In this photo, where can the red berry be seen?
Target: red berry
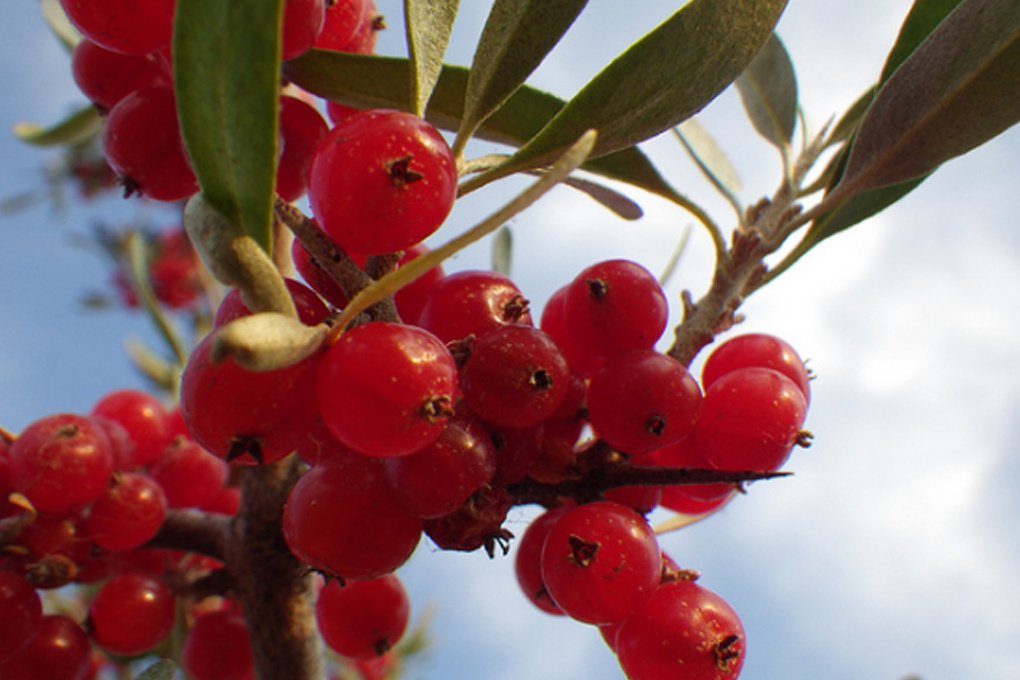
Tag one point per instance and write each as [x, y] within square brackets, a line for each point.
[143, 145]
[22, 613]
[61, 462]
[756, 349]
[127, 26]
[528, 561]
[246, 417]
[364, 619]
[106, 77]
[143, 418]
[59, 649]
[343, 19]
[301, 130]
[128, 514]
[131, 614]
[438, 479]
[751, 420]
[514, 377]
[310, 309]
[386, 389]
[641, 401]
[682, 626]
[614, 307]
[600, 562]
[341, 517]
[382, 181]
[218, 648]
[411, 299]
[188, 474]
[302, 24]
[472, 303]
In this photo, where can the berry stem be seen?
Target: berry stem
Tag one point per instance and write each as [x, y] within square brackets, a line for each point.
[193, 531]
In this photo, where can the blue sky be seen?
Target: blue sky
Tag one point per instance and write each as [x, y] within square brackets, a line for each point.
[892, 551]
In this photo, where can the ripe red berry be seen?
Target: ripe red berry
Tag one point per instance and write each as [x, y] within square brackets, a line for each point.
[310, 308]
[514, 377]
[143, 145]
[59, 649]
[751, 420]
[614, 307]
[682, 626]
[106, 77]
[188, 474]
[218, 648]
[341, 517]
[128, 514]
[528, 561]
[641, 401]
[472, 303]
[364, 619]
[22, 613]
[756, 349]
[382, 181]
[386, 389]
[61, 462]
[242, 416]
[302, 24]
[600, 562]
[438, 479]
[127, 26]
[143, 418]
[301, 130]
[131, 614]
[343, 19]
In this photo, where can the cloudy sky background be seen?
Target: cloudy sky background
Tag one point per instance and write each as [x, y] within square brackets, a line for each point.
[893, 551]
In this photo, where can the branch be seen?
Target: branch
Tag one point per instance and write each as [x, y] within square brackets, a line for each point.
[193, 531]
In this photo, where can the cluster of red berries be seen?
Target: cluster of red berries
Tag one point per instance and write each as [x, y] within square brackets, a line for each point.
[173, 269]
[81, 498]
[123, 66]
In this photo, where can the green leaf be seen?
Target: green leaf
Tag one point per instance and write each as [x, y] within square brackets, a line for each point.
[612, 200]
[364, 82]
[502, 251]
[58, 22]
[660, 81]
[161, 670]
[518, 34]
[429, 24]
[924, 16]
[768, 89]
[227, 81]
[848, 125]
[709, 156]
[79, 127]
[957, 90]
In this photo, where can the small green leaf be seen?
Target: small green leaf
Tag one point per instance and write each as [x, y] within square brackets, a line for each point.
[80, 126]
[956, 91]
[660, 81]
[502, 251]
[366, 82]
[924, 16]
[161, 670]
[610, 199]
[227, 81]
[847, 126]
[518, 34]
[768, 89]
[428, 23]
[267, 341]
[58, 22]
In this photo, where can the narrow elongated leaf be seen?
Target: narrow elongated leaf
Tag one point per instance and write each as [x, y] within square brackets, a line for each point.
[363, 81]
[429, 24]
[709, 156]
[75, 129]
[58, 22]
[847, 126]
[502, 251]
[518, 34]
[768, 89]
[957, 90]
[662, 80]
[924, 16]
[227, 80]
